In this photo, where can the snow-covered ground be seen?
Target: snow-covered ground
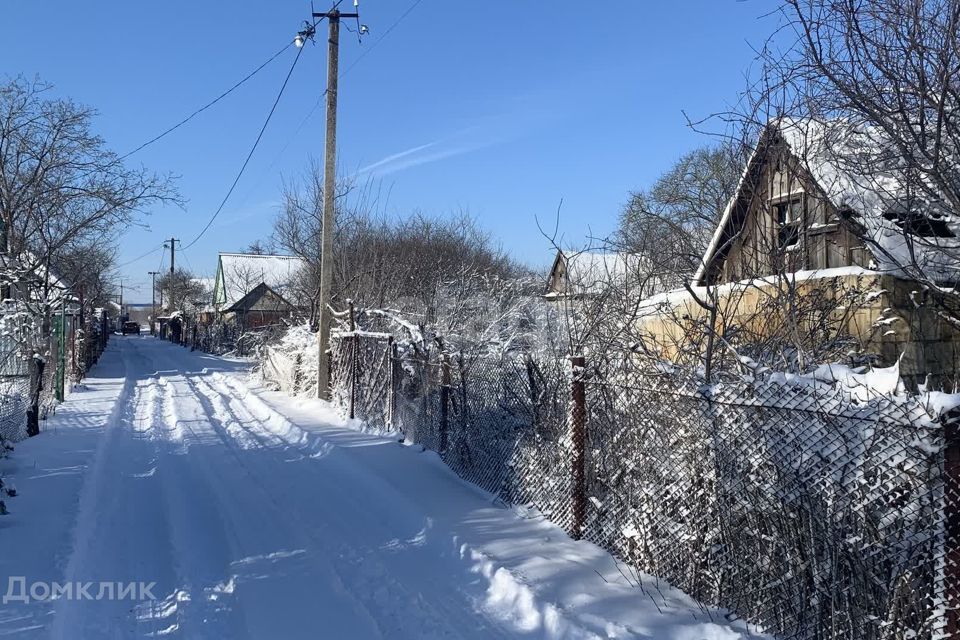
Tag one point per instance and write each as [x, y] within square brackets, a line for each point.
[259, 516]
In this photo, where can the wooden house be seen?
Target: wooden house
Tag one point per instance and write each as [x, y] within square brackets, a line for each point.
[255, 289]
[582, 275]
[798, 207]
[260, 307]
[800, 224]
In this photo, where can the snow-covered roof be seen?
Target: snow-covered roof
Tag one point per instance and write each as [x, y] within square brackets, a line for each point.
[875, 199]
[28, 267]
[240, 273]
[585, 273]
[874, 196]
[720, 231]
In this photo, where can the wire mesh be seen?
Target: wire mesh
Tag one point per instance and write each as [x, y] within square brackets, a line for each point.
[14, 399]
[218, 338]
[361, 377]
[806, 512]
[811, 510]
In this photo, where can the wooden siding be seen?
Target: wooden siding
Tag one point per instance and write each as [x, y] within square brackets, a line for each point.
[824, 240]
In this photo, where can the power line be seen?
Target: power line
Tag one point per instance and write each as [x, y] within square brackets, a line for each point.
[309, 30]
[319, 101]
[381, 38]
[219, 97]
[208, 105]
[250, 154]
[138, 259]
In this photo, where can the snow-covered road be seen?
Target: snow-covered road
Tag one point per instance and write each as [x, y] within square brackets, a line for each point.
[259, 516]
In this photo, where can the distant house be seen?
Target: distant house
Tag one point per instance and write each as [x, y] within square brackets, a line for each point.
[583, 275]
[255, 289]
[206, 313]
[261, 307]
[36, 284]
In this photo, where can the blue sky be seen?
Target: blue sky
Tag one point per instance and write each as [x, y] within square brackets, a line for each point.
[499, 110]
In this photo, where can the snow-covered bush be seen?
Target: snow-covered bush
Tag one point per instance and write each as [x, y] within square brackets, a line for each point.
[289, 362]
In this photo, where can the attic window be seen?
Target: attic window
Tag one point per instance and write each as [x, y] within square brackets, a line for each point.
[919, 224]
[788, 215]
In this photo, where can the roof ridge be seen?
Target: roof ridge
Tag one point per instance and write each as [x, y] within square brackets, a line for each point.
[258, 255]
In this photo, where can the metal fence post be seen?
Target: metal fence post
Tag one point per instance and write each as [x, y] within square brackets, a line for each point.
[392, 391]
[951, 508]
[578, 433]
[354, 372]
[61, 358]
[444, 402]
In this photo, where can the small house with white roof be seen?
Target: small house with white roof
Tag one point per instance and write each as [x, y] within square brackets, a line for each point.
[255, 289]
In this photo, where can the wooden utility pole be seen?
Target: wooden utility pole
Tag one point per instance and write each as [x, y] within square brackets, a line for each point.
[329, 199]
[153, 299]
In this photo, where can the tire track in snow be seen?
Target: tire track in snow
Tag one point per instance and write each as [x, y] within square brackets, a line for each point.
[116, 497]
[441, 612]
[256, 521]
[515, 606]
[197, 533]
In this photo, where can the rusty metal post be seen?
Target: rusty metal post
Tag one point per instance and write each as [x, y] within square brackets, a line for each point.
[951, 508]
[392, 391]
[444, 402]
[578, 438]
[354, 372]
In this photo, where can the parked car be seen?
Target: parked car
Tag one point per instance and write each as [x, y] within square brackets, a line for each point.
[130, 327]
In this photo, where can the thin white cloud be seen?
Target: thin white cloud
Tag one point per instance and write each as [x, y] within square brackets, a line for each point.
[371, 168]
[527, 113]
[407, 162]
[464, 141]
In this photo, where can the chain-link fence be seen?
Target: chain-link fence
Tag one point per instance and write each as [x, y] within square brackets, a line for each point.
[811, 509]
[14, 401]
[808, 513]
[218, 338]
[72, 347]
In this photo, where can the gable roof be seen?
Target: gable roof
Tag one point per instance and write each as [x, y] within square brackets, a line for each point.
[584, 273]
[874, 199]
[255, 295]
[240, 273]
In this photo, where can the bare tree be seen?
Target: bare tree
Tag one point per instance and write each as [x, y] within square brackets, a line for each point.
[64, 196]
[86, 269]
[258, 248]
[383, 262]
[184, 292]
[59, 184]
[670, 224]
